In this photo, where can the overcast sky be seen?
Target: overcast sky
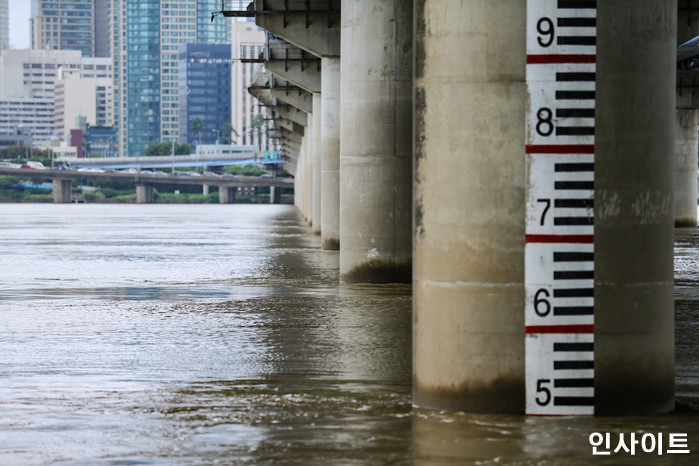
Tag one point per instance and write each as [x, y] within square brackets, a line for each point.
[19, 23]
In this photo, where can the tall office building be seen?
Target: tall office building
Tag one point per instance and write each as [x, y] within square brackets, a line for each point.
[204, 91]
[146, 35]
[70, 25]
[248, 41]
[4, 24]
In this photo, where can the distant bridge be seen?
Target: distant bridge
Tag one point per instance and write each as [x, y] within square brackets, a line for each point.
[168, 161]
[144, 182]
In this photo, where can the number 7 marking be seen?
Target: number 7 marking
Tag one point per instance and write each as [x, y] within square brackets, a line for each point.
[546, 209]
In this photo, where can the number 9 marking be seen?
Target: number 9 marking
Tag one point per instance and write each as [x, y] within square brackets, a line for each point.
[545, 28]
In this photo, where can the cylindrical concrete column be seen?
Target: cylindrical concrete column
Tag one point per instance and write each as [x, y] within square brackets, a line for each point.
[468, 287]
[205, 190]
[299, 190]
[686, 128]
[376, 141]
[317, 189]
[144, 193]
[311, 189]
[330, 153]
[634, 215]
[61, 191]
[226, 194]
[275, 195]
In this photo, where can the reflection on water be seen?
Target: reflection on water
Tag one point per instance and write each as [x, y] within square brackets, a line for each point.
[219, 335]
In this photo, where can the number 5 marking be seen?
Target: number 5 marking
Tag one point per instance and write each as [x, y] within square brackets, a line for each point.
[546, 392]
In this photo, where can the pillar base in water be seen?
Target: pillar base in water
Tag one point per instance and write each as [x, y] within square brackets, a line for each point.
[330, 244]
[500, 396]
[686, 222]
[379, 271]
[61, 191]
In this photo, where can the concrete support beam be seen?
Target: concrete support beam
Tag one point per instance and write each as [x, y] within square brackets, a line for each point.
[468, 287]
[205, 189]
[299, 98]
[226, 194]
[317, 190]
[330, 154]
[314, 27]
[290, 135]
[376, 141]
[144, 193]
[289, 125]
[294, 65]
[61, 191]
[634, 215]
[291, 144]
[292, 113]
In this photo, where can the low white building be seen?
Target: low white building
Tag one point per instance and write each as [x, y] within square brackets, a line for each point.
[90, 98]
[27, 87]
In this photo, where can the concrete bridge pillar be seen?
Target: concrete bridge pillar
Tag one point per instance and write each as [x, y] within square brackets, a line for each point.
[634, 215]
[468, 284]
[376, 141]
[205, 190]
[310, 186]
[317, 189]
[330, 153]
[275, 195]
[686, 127]
[470, 176]
[300, 180]
[226, 194]
[144, 193]
[61, 191]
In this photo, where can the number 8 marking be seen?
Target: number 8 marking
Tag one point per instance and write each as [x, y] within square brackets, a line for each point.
[544, 126]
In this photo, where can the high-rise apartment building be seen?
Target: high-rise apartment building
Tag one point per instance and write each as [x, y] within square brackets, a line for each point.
[146, 35]
[4, 24]
[204, 91]
[71, 25]
[248, 41]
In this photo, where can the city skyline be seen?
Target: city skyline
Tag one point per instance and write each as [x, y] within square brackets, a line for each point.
[146, 67]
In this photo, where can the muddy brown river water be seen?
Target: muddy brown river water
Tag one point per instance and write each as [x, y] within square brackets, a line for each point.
[219, 334]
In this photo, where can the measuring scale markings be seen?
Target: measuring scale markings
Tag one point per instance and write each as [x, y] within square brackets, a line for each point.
[559, 250]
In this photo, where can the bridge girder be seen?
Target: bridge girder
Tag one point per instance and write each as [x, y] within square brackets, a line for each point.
[313, 26]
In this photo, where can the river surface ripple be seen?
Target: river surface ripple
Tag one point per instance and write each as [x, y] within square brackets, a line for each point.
[218, 334]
